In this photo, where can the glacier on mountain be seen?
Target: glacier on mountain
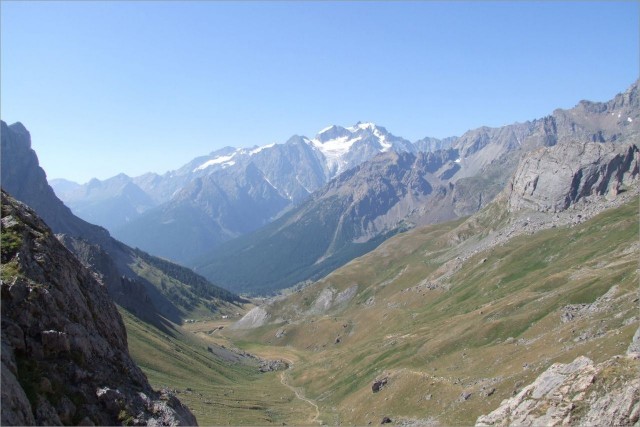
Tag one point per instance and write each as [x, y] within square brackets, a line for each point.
[220, 160]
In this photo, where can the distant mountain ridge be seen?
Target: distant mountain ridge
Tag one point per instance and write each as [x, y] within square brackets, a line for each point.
[107, 202]
[392, 192]
[232, 191]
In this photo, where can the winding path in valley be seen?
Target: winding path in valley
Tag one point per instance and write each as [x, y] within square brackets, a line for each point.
[298, 394]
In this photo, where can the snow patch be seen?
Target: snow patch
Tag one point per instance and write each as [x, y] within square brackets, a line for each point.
[269, 182]
[386, 145]
[227, 164]
[335, 149]
[303, 186]
[259, 149]
[458, 160]
[216, 161]
[629, 119]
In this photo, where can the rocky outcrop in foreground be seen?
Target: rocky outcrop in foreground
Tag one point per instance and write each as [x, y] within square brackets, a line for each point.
[552, 179]
[64, 346]
[580, 393]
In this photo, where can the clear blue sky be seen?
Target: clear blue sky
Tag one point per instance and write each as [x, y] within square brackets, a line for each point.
[110, 87]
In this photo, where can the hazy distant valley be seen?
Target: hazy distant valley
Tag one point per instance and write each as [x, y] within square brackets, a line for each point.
[352, 278]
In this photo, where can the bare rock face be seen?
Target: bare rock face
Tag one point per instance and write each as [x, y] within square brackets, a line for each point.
[551, 179]
[255, 318]
[579, 393]
[330, 298]
[64, 346]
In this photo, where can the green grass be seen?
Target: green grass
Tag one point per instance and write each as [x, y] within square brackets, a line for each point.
[9, 270]
[218, 392]
[502, 311]
[10, 243]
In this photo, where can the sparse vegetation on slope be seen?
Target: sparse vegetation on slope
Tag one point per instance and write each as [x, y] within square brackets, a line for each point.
[456, 328]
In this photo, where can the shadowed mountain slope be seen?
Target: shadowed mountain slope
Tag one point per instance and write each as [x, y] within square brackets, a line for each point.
[146, 287]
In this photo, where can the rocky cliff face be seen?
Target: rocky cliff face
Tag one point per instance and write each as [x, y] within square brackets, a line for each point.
[23, 178]
[579, 393]
[551, 179]
[64, 346]
[617, 120]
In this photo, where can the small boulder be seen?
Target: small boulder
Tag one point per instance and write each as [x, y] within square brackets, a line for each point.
[273, 365]
[464, 396]
[378, 384]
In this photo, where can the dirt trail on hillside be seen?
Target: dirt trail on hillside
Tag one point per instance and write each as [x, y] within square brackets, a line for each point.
[299, 394]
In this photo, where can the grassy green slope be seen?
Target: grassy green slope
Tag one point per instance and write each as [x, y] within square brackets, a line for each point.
[440, 326]
[218, 392]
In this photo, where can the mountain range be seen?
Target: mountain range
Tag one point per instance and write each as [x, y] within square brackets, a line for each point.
[393, 192]
[151, 288]
[489, 260]
[183, 214]
[329, 199]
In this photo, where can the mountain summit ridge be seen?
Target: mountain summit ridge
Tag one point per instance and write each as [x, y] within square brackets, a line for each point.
[210, 193]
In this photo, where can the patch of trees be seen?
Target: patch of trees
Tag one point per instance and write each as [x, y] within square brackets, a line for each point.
[198, 284]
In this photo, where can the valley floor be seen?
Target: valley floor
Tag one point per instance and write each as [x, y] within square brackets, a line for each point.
[221, 388]
[452, 327]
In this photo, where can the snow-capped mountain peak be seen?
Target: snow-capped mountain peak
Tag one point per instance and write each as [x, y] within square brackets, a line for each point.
[256, 150]
[363, 126]
[225, 158]
[341, 147]
[336, 143]
[331, 133]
